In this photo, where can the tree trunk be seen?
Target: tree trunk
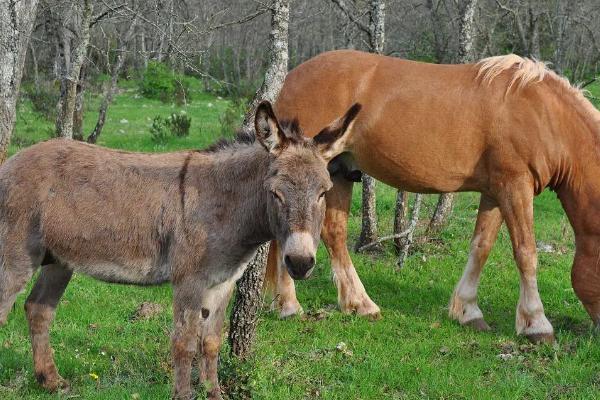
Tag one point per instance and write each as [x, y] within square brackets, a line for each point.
[400, 215]
[64, 120]
[368, 233]
[414, 218]
[79, 106]
[249, 288]
[248, 300]
[466, 54]
[16, 23]
[111, 88]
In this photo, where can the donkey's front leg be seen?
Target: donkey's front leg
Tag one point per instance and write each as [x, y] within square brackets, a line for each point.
[187, 318]
[213, 312]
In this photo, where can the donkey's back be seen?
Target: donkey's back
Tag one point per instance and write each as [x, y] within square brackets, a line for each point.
[103, 212]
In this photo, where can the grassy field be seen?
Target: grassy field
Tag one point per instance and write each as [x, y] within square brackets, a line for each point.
[414, 351]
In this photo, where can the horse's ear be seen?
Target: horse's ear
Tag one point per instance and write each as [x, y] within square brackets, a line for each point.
[332, 139]
[268, 130]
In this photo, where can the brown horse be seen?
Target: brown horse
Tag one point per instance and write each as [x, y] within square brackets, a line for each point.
[194, 218]
[506, 127]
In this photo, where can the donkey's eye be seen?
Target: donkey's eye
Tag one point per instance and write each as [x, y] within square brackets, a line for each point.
[277, 196]
[322, 196]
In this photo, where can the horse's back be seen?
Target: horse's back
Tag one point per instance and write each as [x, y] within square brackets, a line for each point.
[423, 127]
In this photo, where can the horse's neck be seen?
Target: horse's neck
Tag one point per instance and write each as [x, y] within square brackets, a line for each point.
[237, 177]
[580, 193]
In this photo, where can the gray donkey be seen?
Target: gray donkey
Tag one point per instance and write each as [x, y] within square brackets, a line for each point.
[194, 218]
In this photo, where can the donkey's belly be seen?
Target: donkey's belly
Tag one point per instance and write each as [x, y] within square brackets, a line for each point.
[141, 273]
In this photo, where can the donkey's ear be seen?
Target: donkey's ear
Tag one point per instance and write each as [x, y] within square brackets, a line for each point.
[268, 130]
[332, 139]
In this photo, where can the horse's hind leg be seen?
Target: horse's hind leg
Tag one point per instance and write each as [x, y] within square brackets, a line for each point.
[40, 307]
[463, 304]
[352, 296]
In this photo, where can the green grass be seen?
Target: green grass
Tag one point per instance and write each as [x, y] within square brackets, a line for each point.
[414, 351]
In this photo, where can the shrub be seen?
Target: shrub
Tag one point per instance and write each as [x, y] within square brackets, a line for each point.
[158, 131]
[161, 83]
[179, 124]
[231, 118]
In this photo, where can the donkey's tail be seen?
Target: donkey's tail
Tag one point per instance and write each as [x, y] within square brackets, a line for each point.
[270, 282]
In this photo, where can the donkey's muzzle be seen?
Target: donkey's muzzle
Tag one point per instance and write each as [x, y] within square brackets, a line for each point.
[299, 266]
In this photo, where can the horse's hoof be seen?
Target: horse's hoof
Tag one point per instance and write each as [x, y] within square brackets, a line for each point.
[478, 324]
[539, 338]
[290, 310]
[366, 309]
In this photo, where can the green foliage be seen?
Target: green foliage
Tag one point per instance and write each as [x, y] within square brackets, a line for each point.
[179, 124]
[44, 98]
[158, 131]
[161, 83]
[231, 118]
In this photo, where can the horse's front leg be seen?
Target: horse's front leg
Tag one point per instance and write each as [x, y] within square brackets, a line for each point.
[352, 296]
[187, 319]
[463, 304]
[213, 313]
[516, 203]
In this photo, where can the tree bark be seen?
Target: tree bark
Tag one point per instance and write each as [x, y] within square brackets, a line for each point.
[400, 215]
[111, 88]
[64, 120]
[466, 54]
[368, 232]
[16, 23]
[249, 288]
[414, 218]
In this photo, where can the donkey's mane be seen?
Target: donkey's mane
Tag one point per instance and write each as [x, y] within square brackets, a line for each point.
[526, 71]
[247, 137]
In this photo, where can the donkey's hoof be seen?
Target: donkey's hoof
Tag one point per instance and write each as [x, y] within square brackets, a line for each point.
[52, 383]
[478, 324]
[539, 338]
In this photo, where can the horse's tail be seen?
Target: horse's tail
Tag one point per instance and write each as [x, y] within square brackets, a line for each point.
[270, 282]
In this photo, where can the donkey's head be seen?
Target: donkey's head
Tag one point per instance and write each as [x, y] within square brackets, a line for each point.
[297, 182]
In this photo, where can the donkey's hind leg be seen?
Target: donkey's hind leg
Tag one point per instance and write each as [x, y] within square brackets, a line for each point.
[16, 268]
[463, 304]
[352, 296]
[40, 307]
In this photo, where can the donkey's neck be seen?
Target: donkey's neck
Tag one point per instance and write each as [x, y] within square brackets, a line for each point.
[236, 178]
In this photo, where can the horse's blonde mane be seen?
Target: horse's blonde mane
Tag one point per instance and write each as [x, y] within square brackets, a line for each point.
[526, 71]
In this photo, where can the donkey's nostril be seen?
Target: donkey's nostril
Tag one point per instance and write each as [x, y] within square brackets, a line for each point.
[299, 266]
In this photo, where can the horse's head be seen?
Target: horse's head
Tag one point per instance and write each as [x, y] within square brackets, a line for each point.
[297, 182]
